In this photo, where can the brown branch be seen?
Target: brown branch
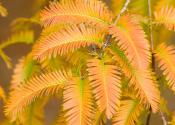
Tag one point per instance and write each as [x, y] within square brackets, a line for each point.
[153, 61]
[108, 37]
[122, 11]
[163, 118]
[149, 116]
[150, 26]
[152, 47]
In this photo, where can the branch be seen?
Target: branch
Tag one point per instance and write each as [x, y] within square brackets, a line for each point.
[108, 37]
[122, 11]
[149, 116]
[163, 118]
[152, 47]
[153, 60]
[150, 25]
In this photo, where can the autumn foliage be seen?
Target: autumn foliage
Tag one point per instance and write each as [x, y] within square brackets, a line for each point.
[105, 65]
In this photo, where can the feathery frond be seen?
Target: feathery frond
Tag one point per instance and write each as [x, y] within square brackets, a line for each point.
[166, 16]
[78, 11]
[6, 59]
[57, 63]
[165, 56]
[61, 120]
[54, 28]
[24, 23]
[128, 113]
[20, 37]
[78, 102]
[131, 39]
[163, 3]
[24, 95]
[120, 57]
[105, 82]
[67, 40]
[146, 87]
[34, 115]
[100, 118]
[141, 80]
[25, 69]
[78, 58]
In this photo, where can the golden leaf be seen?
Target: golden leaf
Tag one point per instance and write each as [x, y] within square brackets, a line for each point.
[78, 11]
[24, 95]
[165, 56]
[78, 102]
[105, 82]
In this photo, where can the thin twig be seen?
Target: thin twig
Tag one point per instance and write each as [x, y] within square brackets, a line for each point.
[152, 47]
[122, 11]
[163, 118]
[149, 116]
[108, 37]
[153, 60]
[150, 25]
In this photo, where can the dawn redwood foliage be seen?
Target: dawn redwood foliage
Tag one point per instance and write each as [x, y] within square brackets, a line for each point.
[105, 65]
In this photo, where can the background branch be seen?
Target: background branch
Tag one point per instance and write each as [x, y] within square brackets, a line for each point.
[153, 61]
[163, 118]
